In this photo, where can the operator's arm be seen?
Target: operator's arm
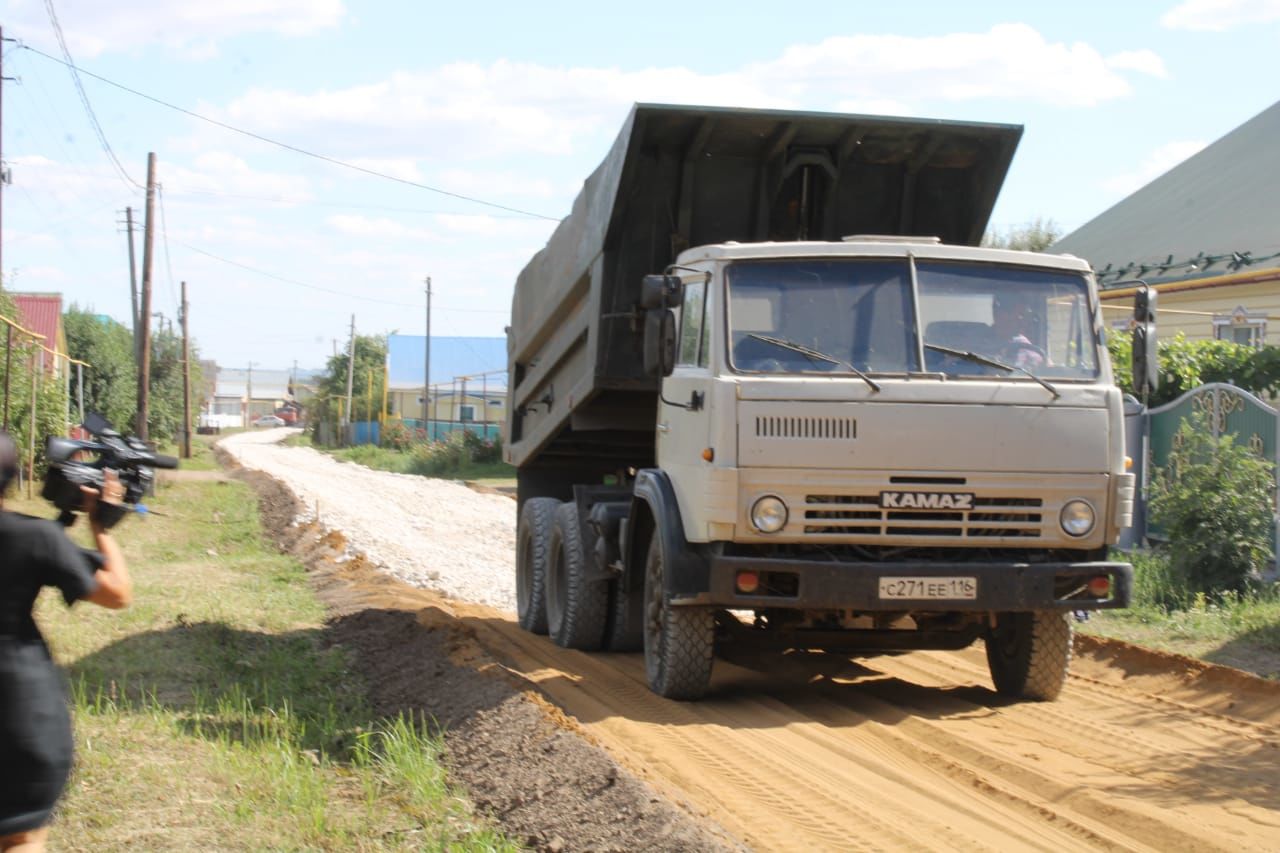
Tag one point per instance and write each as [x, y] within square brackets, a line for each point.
[114, 587]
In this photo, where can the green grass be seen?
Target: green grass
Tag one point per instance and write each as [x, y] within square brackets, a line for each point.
[213, 714]
[1240, 630]
[405, 462]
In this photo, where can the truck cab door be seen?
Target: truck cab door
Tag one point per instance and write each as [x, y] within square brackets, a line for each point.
[683, 429]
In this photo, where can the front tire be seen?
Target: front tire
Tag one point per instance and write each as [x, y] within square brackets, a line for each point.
[679, 642]
[577, 607]
[1029, 653]
[533, 541]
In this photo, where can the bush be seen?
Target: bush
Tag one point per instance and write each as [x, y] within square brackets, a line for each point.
[440, 458]
[396, 435]
[1185, 365]
[1214, 501]
[1156, 583]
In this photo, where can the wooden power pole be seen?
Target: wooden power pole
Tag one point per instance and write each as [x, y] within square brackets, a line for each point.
[133, 286]
[186, 377]
[144, 314]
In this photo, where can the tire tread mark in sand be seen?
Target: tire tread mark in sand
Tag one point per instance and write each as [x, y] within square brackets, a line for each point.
[737, 767]
[1139, 826]
[1004, 787]
[1176, 711]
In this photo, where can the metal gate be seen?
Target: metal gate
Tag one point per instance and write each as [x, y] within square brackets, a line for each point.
[1228, 410]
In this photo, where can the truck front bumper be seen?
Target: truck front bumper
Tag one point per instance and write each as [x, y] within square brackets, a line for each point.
[810, 585]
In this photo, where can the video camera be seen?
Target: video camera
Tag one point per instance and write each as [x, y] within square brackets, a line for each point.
[69, 469]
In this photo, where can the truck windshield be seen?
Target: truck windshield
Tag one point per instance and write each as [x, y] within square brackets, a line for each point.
[1035, 320]
[855, 312]
[785, 315]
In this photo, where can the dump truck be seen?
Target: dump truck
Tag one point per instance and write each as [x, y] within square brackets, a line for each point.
[766, 391]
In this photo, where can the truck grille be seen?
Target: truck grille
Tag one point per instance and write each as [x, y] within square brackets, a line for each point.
[782, 426]
[991, 517]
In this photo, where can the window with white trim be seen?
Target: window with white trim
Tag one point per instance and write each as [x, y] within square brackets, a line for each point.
[1241, 327]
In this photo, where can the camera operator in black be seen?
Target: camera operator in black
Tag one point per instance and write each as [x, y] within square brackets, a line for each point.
[35, 724]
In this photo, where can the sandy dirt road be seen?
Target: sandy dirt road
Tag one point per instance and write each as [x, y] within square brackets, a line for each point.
[915, 751]
[806, 751]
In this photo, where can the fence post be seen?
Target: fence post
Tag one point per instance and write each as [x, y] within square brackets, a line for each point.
[8, 370]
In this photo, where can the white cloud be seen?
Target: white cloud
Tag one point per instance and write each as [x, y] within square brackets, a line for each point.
[1220, 15]
[220, 173]
[188, 30]
[1142, 61]
[470, 110]
[377, 228]
[498, 184]
[1156, 164]
[402, 168]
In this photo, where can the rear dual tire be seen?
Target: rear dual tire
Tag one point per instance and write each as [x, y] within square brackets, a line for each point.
[577, 604]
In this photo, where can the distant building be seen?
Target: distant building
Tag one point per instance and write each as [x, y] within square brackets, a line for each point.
[240, 396]
[1205, 235]
[468, 378]
[42, 314]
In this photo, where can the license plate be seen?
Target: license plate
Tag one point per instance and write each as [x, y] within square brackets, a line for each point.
[929, 589]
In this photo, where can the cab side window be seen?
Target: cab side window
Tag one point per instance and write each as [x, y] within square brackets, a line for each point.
[694, 348]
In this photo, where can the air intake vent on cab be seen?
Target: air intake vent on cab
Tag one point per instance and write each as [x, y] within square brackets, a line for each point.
[776, 426]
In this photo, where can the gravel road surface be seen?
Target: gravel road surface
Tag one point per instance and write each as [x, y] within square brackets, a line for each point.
[429, 533]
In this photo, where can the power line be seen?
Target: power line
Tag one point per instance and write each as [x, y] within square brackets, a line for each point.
[84, 96]
[311, 202]
[356, 296]
[294, 148]
[164, 236]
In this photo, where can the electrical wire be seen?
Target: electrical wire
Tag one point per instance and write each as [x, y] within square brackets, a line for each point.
[311, 202]
[84, 96]
[164, 237]
[356, 296]
[294, 148]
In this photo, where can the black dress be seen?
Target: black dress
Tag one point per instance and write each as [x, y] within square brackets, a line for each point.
[35, 725]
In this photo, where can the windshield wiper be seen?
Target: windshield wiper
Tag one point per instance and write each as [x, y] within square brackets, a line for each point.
[815, 355]
[991, 362]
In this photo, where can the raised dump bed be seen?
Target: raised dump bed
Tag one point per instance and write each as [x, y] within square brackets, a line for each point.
[580, 403]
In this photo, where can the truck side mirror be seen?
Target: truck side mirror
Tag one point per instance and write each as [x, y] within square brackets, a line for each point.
[661, 291]
[659, 342]
[1146, 363]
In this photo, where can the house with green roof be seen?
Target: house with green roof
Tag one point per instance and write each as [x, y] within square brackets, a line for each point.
[1205, 235]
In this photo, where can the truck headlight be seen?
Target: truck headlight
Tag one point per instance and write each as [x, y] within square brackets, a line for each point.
[1077, 517]
[769, 514]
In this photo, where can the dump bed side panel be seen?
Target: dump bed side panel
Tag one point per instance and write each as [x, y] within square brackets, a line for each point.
[678, 177]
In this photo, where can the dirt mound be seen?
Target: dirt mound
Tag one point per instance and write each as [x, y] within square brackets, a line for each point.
[520, 759]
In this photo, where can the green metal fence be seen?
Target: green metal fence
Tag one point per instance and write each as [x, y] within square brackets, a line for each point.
[1227, 410]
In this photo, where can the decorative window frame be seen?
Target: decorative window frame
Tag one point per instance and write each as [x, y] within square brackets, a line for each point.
[1225, 326]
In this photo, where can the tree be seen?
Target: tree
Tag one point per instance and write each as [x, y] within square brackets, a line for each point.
[50, 393]
[367, 383]
[1034, 236]
[110, 381]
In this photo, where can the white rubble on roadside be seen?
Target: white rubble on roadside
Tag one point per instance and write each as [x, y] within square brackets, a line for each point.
[430, 533]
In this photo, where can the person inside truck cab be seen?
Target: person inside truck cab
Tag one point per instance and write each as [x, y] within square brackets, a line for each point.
[1013, 329]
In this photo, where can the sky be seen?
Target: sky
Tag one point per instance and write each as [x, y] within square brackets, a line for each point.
[268, 119]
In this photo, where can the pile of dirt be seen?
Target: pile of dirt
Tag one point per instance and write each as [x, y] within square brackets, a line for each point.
[521, 761]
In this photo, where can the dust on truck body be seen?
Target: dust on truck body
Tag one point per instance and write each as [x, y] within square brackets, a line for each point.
[734, 424]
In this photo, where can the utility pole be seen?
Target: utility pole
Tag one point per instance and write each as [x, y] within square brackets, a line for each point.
[426, 365]
[144, 313]
[351, 366]
[133, 284]
[186, 377]
[248, 400]
[4, 171]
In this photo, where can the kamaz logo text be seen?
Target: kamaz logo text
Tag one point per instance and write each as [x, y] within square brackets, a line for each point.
[925, 500]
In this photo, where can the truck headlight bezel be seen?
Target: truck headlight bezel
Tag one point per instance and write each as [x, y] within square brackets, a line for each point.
[1077, 518]
[769, 514]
